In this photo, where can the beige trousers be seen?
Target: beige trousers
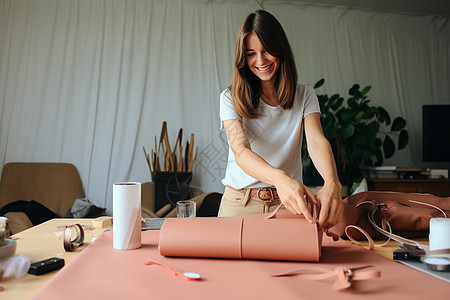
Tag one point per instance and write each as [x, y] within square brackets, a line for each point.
[234, 203]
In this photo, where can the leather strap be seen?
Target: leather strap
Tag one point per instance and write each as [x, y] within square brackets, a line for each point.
[344, 275]
[388, 233]
[386, 230]
[174, 271]
[372, 244]
[69, 244]
[273, 215]
[264, 193]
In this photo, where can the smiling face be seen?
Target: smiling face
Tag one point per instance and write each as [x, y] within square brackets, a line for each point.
[261, 63]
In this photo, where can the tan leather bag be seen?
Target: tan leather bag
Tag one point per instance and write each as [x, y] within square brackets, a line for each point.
[408, 214]
[276, 236]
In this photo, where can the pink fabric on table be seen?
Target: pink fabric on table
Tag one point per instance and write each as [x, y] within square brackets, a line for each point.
[101, 272]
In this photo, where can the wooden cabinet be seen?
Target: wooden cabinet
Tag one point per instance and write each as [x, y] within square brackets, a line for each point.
[438, 187]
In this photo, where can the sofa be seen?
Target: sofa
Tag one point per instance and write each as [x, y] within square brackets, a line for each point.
[54, 185]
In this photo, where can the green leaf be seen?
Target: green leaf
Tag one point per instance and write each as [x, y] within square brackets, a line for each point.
[377, 143]
[339, 102]
[364, 107]
[334, 102]
[345, 115]
[334, 97]
[352, 103]
[347, 131]
[319, 83]
[398, 124]
[371, 112]
[322, 97]
[383, 116]
[366, 90]
[373, 128]
[358, 95]
[354, 90]
[323, 100]
[359, 116]
[388, 147]
[403, 139]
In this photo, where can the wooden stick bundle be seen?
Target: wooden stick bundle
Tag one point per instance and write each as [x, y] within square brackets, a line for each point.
[173, 161]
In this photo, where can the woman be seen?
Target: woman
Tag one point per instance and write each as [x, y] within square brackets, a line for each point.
[263, 113]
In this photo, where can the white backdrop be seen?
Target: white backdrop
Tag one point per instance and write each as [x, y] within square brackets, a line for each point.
[90, 82]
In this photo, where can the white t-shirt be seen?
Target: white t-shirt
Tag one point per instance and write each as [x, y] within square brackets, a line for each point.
[276, 136]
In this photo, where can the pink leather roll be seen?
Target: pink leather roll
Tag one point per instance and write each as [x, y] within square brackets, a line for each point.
[284, 237]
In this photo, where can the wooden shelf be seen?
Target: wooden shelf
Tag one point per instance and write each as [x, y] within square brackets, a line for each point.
[438, 187]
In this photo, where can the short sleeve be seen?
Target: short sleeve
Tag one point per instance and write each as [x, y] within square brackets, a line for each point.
[311, 102]
[227, 111]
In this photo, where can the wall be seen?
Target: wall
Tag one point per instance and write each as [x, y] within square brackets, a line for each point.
[90, 82]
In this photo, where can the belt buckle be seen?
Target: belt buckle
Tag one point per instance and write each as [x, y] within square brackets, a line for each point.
[265, 189]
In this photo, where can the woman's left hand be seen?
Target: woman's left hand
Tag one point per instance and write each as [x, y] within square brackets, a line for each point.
[330, 201]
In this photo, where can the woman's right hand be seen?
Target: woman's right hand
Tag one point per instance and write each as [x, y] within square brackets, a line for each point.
[295, 196]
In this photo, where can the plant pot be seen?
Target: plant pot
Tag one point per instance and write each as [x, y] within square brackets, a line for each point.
[171, 187]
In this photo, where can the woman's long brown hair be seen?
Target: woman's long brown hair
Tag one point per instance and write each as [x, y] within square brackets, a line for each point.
[245, 86]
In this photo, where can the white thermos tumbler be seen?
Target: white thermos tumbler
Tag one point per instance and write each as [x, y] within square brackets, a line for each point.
[126, 215]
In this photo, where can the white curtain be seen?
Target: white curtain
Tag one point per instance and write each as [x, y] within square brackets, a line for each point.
[91, 81]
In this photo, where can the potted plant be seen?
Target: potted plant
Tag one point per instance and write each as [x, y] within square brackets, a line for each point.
[360, 134]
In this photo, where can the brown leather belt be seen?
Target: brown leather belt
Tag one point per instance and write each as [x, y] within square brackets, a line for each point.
[264, 193]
